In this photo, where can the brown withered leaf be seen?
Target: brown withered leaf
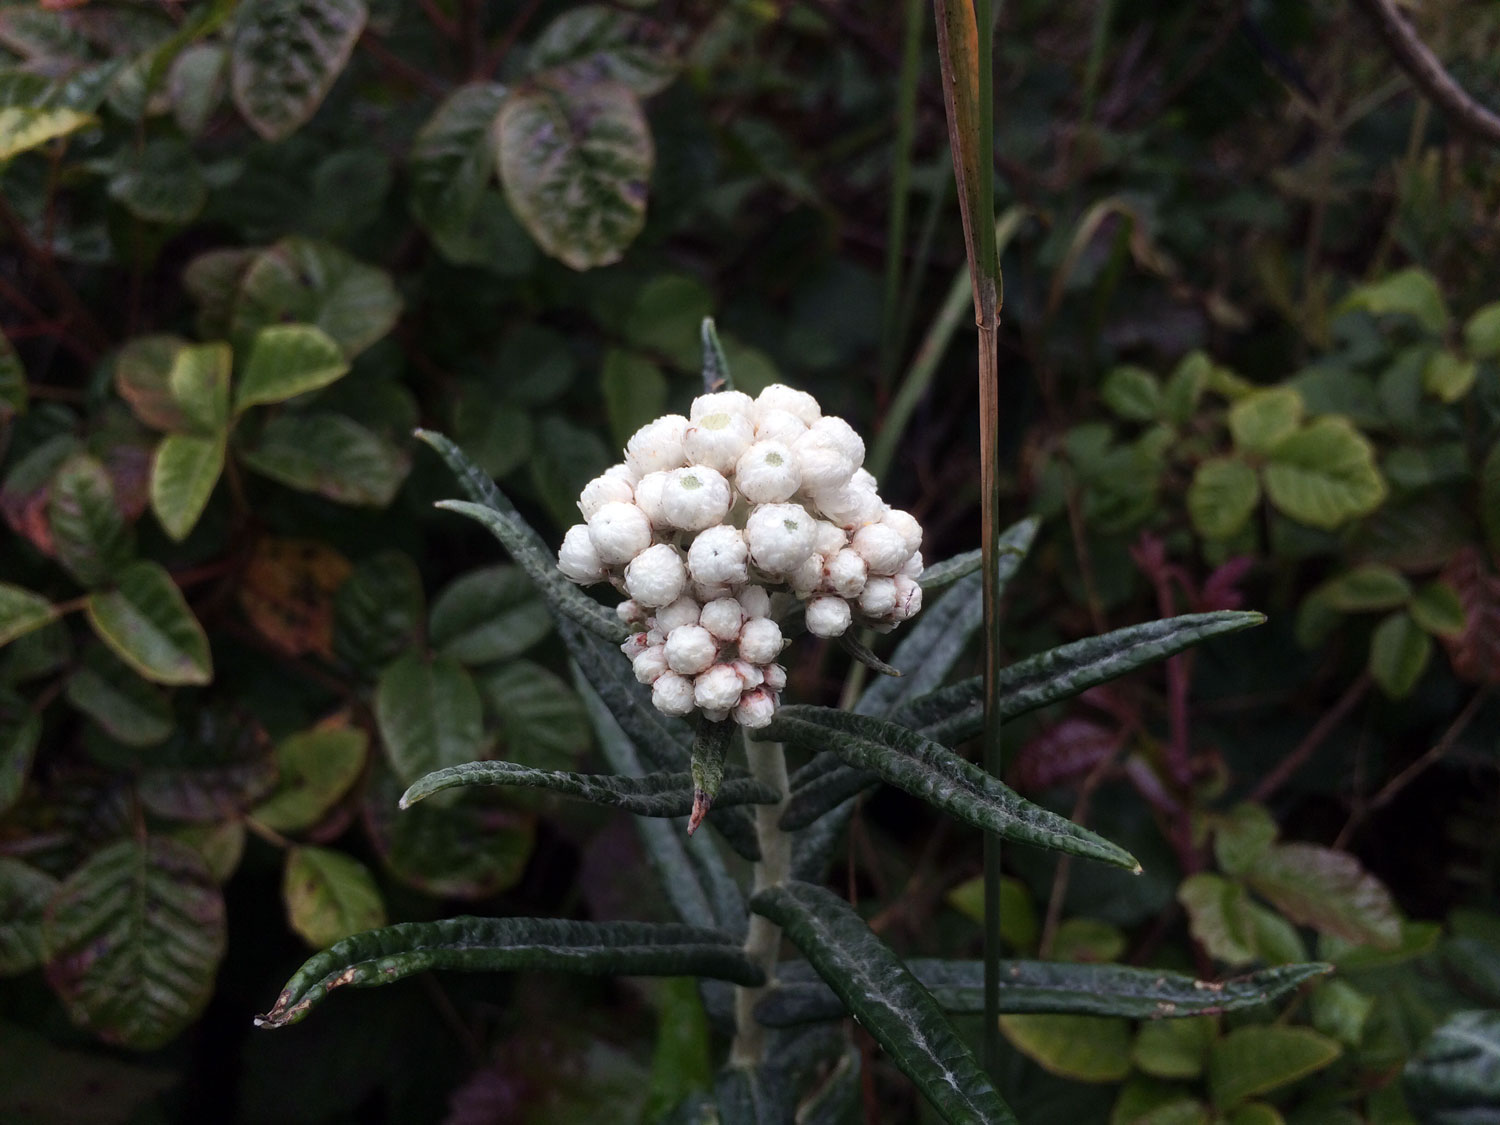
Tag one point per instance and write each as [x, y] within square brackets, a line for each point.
[1475, 652]
[287, 593]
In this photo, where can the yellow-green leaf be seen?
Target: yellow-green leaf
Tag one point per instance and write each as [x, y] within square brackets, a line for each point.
[183, 474]
[1254, 1060]
[1083, 1048]
[1448, 376]
[1324, 474]
[329, 896]
[288, 360]
[1399, 652]
[1261, 419]
[147, 622]
[28, 127]
[21, 611]
[1222, 496]
[1482, 333]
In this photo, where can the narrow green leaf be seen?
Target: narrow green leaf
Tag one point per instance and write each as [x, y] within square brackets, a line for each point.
[949, 571]
[116, 698]
[716, 373]
[1254, 1060]
[1456, 1074]
[285, 55]
[183, 475]
[575, 160]
[146, 621]
[1328, 890]
[329, 454]
[134, 938]
[287, 360]
[655, 794]
[329, 895]
[488, 615]
[937, 775]
[21, 611]
[1324, 474]
[89, 532]
[509, 944]
[889, 1002]
[1222, 497]
[1399, 652]
[314, 769]
[710, 747]
[429, 715]
[24, 894]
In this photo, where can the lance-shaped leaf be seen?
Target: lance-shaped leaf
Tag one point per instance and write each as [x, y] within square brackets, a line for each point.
[20, 731]
[285, 56]
[1048, 987]
[716, 373]
[506, 944]
[21, 611]
[943, 574]
[146, 621]
[655, 794]
[889, 1002]
[494, 511]
[937, 775]
[707, 768]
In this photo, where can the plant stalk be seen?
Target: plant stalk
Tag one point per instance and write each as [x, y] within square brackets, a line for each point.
[767, 761]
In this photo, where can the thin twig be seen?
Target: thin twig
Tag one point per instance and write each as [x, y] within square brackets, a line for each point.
[1327, 723]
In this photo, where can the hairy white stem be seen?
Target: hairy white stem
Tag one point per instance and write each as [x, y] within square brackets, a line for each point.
[767, 763]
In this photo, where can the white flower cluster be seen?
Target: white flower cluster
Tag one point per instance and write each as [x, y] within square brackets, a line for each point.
[710, 514]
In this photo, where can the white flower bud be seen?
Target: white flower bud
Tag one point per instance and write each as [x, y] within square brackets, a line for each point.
[729, 402]
[828, 616]
[878, 597]
[648, 494]
[760, 640]
[656, 576]
[755, 709]
[656, 637]
[717, 689]
[905, 525]
[778, 396]
[807, 577]
[602, 490]
[619, 532]
[908, 598]
[690, 649]
[750, 675]
[882, 547]
[767, 473]
[684, 611]
[623, 471]
[846, 573]
[706, 592]
[865, 479]
[657, 445]
[672, 694]
[830, 540]
[834, 431]
[851, 506]
[722, 617]
[822, 465]
[635, 644]
[718, 556]
[651, 664]
[779, 425]
[756, 600]
[775, 677]
[630, 612]
[695, 498]
[577, 558]
[780, 537]
[912, 567]
[718, 439]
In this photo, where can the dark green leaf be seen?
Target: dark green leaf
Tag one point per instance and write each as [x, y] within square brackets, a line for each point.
[12, 382]
[949, 571]
[134, 938]
[565, 459]
[21, 611]
[1399, 652]
[1438, 609]
[542, 722]
[89, 532]
[1367, 587]
[634, 390]
[488, 615]
[329, 454]
[716, 372]
[1328, 890]
[1456, 1075]
[451, 165]
[377, 612]
[680, 1064]
[146, 621]
[1241, 836]
[1254, 1060]
[24, 894]
[285, 55]
[1132, 393]
[1174, 1048]
[509, 944]
[596, 42]
[143, 373]
[300, 281]
[876, 986]
[20, 731]
[710, 747]
[1324, 474]
[159, 182]
[329, 895]
[314, 769]
[287, 360]
[116, 698]
[429, 715]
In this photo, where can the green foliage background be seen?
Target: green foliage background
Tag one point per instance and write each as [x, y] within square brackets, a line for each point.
[1251, 346]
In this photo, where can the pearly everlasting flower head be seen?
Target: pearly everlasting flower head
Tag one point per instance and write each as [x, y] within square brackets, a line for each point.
[712, 514]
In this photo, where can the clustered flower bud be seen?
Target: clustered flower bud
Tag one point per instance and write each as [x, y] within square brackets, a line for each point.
[710, 514]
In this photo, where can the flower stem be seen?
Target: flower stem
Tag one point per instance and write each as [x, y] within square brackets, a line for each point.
[767, 763]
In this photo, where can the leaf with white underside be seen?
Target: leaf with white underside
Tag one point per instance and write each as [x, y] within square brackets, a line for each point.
[285, 55]
[655, 794]
[470, 944]
[887, 1000]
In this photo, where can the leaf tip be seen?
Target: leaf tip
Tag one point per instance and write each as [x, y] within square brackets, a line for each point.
[702, 802]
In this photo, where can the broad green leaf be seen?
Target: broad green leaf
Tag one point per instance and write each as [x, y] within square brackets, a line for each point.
[1219, 917]
[284, 56]
[496, 433]
[509, 944]
[27, 127]
[596, 42]
[329, 895]
[315, 768]
[1328, 890]
[329, 454]
[378, 610]
[680, 1063]
[21, 611]
[1399, 652]
[1174, 1048]
[566, 458]
[1153, 1101]
[115, 697]
[1185, 387]
[1341, 1010]
[302, 281]
[288, 360]
[20, 731]
[41, 1081]
[1087, 939]
[184, 472]
[1241, 836]
[1053, 987]
[1449, 377]
[1438, 609]
[199, 384]
[213, 280]
[937, 775]
[889, 1003]
[667, 318]
[488, 615]
[1482, 333]
[146, 621]
[1254, 1060]
[12, 381]
[1456, 1074]
[655, 794]
[575, 160]
[143, 377]
[160, 182]
[1409, 292]
[1019, 925]
[221, 844]
[1082, 1048]
[634, 390]
[542, 721]
[89, 532]
[1258, 1113]
[451, 165]
[197, 82]
[134, 938]
[1324, 474]
[24, 894]
[429, 715]
[1222, 497]
[1367, 587]
[1262, 419]
[1132, 393]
